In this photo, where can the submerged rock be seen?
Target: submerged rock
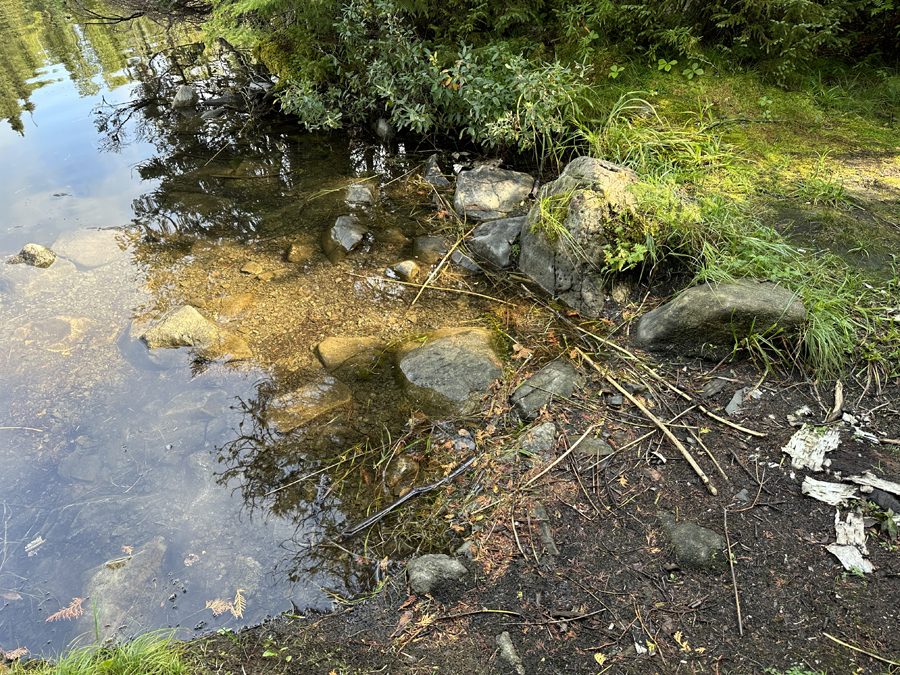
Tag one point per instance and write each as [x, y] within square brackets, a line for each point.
[569, 262]
[360, 194]
[90, 248]
[336, 352]
[485, 193]
[558, 379]
[185, 97]
[345, 235]
[430, 249]
[186, 327]
[123, 594]
[493, 241]
[317, 397]
[710, 320]
[450, 372]
[431, 573]
[34, 255]
[299, 253]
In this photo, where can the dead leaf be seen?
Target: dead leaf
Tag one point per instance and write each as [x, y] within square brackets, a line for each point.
[623, 481]
[404, 619]
[10, 596]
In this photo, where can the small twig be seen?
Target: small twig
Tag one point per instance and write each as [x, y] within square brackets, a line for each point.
[737, 600]
[684, 451]
[696, 437]
[437, 269]
[477, 611]
[862, 651]
[561, 457]
[838, 403]
[26, 428]
[512, 519]
[434, 288]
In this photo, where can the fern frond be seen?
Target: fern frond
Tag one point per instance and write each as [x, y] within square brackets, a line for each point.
[239, 604]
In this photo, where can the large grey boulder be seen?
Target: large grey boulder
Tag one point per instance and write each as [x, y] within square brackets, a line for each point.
[493, 241]
[342, 237]
[709, 320]
[485, 193]
[184, 326]
[185, 97]
[317, 397]
[696, 547]
[34, 255]
[558, 379]
[569, 262]
[429, 573]
[450, 372]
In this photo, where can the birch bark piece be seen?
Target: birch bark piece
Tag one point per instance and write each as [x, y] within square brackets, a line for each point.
[870, 479]
[834, 494]
[850, 544]
[807, 448]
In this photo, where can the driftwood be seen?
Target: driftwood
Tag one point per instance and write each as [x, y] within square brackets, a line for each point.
[415, 492]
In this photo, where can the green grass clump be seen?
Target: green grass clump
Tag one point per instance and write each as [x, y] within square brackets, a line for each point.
[151, 654]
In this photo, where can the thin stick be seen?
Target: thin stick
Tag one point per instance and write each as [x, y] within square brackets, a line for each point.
[737, 600]
[512, 519]
[684, 451]
[697, 438]
[863, 651]
[437, 269]
[678, 391]
[562, 456]
[27, 428]
[434, 288]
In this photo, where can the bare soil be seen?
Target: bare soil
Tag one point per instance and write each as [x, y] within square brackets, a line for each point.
[615, 600]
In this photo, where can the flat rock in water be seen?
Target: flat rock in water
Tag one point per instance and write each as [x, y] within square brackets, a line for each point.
[450, 372]
[557, 379]
[430, 249]
[360, 194]
[429, 573]
[299, 253]
[186, 327]
[485, 193]
[317, 397]
[708, 320]
[123, 594]
[696, 547]
[341, 238]
[567, 258]
[335, 352]
[89, 248]
[493, 241]
[185, 97]
[34, 255]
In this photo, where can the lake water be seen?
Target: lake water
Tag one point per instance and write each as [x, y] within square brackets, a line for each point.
[137, 487]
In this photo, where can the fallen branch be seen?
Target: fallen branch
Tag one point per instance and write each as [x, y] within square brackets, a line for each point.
[862, 651]
[434, 288]
[437, 269]
[561, 457]
[684, 451]
[737, 600]
[415, 492]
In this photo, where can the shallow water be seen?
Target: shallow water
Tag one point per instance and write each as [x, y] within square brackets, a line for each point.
[136, 485]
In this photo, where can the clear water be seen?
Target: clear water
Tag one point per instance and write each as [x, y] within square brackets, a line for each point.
[113, 498]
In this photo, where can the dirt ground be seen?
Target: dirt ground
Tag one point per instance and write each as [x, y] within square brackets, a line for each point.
[615, 600]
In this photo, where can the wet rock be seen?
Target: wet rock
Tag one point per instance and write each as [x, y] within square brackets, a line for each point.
[450, 372]
[299, 253]
[407, 270]
[319, 396]
[89, 248]
[384, 130]
[360, 194]
[468, 265]
[122, 593]
[186, 327]
[345, 235]
[508, 653]
[185, 97]
[434, 572]
[391, 235]
[233, 306]
[709, 320]
[588, 194]
[485, 193]
[213, 114]
[58, 334]
[252, 268]
[432, 173]
[696, 547]
[556, 379]
[336, 352]
[402, 469]
[34, 255]
[430, 249]
[493, 241]
[196, 406]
